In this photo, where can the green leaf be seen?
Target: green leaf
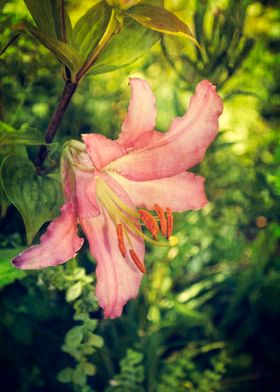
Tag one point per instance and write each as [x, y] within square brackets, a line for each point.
[25, 136]
[90, 28]
[65, 53]
[90, 369]
[8, 273]
[36, 198]
[46, 14]
[74, 292]
[130, 44]
[65, 375]
[74, 337]
[95, 340]
[160, 19]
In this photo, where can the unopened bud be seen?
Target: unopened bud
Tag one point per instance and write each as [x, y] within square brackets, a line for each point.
[122, 4]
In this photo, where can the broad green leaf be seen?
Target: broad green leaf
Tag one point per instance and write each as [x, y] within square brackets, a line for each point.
[160, 19]
[25, 136]
[129, 45]
[37, 198]
[8, 273]
[90, 28]
[46, 14]
[65, 53]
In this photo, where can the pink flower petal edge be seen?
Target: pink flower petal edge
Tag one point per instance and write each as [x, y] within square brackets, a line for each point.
[118, 279]
[182, 192]
[182, 147]
[59, 244]
[141, 115]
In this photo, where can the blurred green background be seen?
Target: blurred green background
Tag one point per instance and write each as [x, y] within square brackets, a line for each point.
[208, 314]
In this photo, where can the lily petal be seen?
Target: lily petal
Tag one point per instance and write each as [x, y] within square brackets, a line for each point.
[141, 115]
[182, 147]
[182, 192]
[118, 279]
[59, 244]
[102, 150]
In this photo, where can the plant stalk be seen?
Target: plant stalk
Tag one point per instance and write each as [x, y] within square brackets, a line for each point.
[57, 116]
[70, 87]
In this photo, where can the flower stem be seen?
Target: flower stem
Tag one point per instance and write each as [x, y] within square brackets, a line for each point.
[57, 116]
[70, 87]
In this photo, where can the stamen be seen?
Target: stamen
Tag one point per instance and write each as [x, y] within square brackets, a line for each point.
[162, 219]
[169, 222]
[150, 222]
[137, 261]
[121, 243]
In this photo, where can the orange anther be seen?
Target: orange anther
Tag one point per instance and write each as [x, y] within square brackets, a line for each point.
[139, 264]
[162, 219]
[150, 222]
[121, 244]
[169, 222]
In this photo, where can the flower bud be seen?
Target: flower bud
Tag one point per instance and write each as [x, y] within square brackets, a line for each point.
[122, 4]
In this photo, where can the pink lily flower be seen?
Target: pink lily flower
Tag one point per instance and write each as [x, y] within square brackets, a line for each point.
[110, 184]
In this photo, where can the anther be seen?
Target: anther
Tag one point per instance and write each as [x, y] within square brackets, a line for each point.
[150, 222]
[121, 244]
[169, 222]
[139, 264]
[162, 219]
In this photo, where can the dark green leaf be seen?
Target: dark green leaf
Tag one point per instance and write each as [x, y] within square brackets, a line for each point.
[160, 19]
[36, 198]
[127, 46]
[65, 53]
[25, 136]
[90, 28]
[8, 273]
[46, 14]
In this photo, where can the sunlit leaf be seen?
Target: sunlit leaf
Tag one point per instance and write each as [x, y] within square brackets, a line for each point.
[90, 28]
[8, 273]
[37, 198]
[160, 19]
[127, 46]
[65, 53]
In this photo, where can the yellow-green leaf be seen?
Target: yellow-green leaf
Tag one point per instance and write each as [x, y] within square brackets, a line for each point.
[65, 53]
[160, 19]
[90, 28]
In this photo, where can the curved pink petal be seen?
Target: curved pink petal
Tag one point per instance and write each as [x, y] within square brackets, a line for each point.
[102, 150]
[59, 244]
[141, 115]
[182, 147]
[85, 194]
[182, 192]
[118, 279]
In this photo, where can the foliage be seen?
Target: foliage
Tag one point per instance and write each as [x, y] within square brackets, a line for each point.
[207, 317]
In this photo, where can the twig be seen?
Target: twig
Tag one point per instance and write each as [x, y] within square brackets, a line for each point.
[11, 41]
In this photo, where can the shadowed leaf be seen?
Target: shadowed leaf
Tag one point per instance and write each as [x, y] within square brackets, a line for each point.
[36, 198]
